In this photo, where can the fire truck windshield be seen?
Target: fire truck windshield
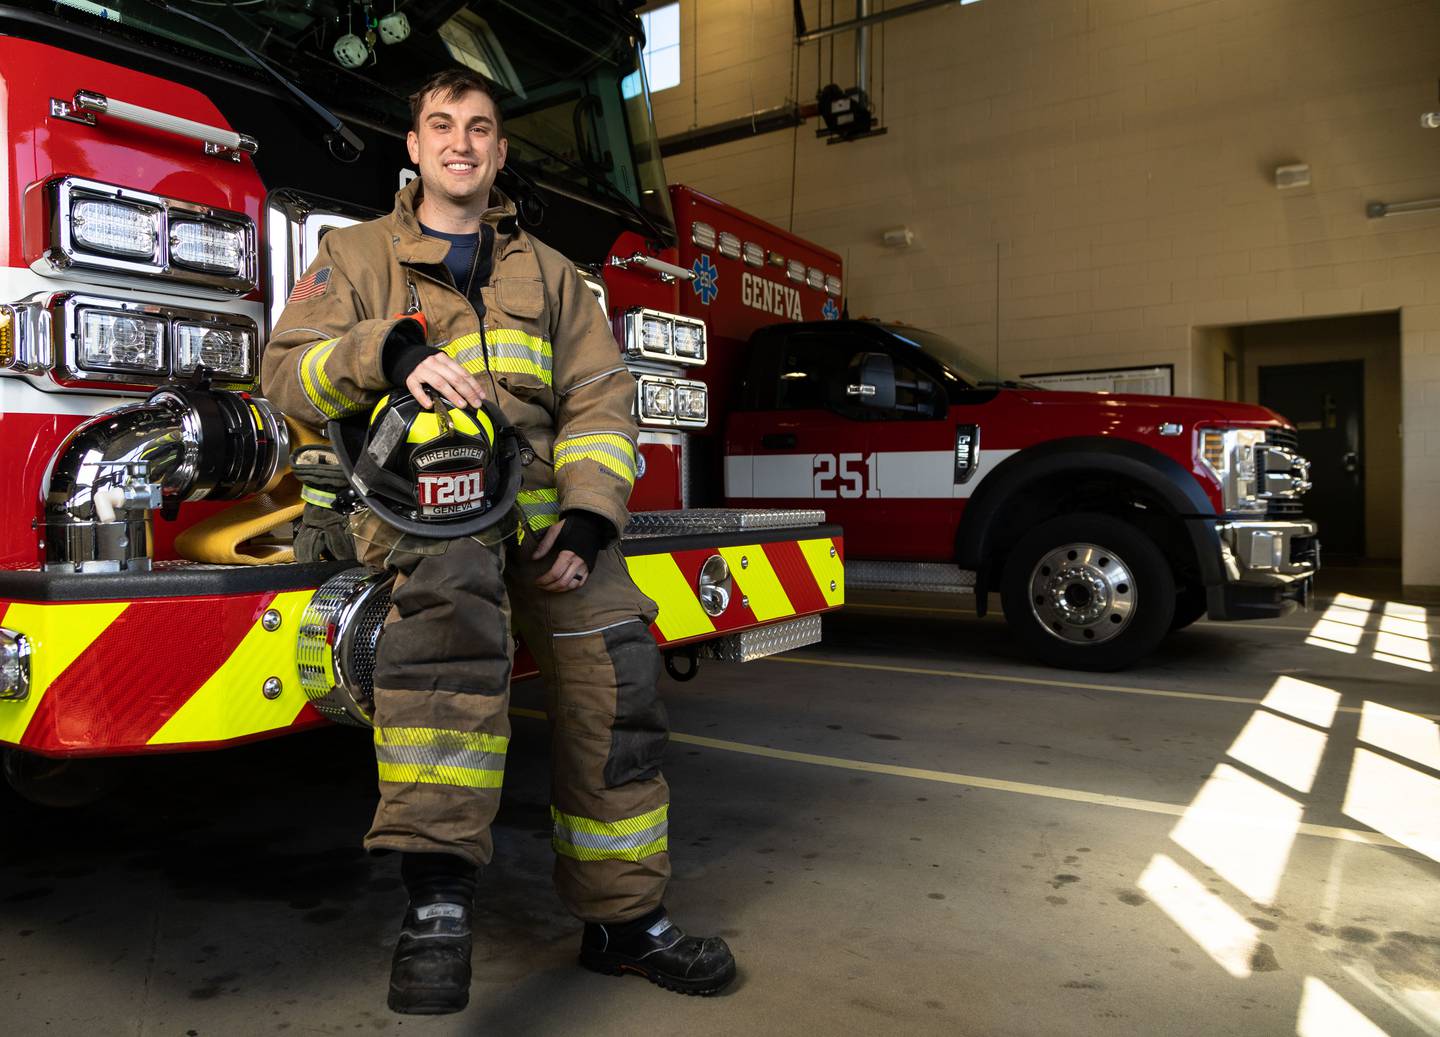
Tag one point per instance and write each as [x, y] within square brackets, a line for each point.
[575, 104]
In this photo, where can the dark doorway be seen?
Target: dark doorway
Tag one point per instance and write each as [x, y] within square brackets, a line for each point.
[1326, 401]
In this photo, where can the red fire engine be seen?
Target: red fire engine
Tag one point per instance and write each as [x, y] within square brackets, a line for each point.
[167, 172]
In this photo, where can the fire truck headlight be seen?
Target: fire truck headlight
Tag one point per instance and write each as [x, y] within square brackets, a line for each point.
[14, 665]
[116, 228]
[224, 350]
[690, 403]
[690, 340]
[657, 398]
[119, 341]
[215, 248]
[1230, 455]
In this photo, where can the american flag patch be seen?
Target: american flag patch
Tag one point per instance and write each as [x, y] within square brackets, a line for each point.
[311, 287]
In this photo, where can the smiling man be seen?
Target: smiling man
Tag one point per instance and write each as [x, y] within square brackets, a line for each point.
[447, 295]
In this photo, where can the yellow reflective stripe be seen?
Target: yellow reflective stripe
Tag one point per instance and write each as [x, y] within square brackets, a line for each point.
[511, 352]
[430, 774]
[319, 498]
[58, 635]
[609, 449]
[757, 581]
[439, 737]
[661, 580]
[516, 337]
[541, 508]
[624, 826]
[629, 838]
[586, 853]
[319, 390]
[825, 566]
[229, 704]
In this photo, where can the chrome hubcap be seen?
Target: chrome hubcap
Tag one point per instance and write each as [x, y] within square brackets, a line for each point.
[1082, 593]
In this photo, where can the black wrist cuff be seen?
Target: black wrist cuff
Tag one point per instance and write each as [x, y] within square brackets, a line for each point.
[585, 533]
[404, 350]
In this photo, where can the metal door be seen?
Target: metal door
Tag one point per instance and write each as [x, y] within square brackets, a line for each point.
[1326, 401]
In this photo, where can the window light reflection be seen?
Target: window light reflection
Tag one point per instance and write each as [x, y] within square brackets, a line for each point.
[1396, 800]
[1324, 1013]
[1312, 703]
[1401, 733]
[1213, 924]
[1243, 829]
[1284, 750]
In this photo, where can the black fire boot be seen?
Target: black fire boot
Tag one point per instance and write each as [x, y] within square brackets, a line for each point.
[431, 971]
[656, 948]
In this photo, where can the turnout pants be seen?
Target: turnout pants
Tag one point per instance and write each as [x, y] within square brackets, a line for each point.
[442, 682]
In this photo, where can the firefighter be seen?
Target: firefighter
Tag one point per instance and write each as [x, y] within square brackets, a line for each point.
[446, 296]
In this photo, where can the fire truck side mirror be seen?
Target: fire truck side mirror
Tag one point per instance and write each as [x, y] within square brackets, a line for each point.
[872, 381]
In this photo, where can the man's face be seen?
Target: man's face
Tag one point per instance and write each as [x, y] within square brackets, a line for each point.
[457, 148]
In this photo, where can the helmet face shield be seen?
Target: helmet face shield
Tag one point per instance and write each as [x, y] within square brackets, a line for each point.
[442, 473]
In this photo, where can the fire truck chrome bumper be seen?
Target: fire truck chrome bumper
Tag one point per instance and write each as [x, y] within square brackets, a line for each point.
[757, 643]
[1274, 554]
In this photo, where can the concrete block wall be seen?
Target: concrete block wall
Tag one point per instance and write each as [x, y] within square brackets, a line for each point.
[1090, 182]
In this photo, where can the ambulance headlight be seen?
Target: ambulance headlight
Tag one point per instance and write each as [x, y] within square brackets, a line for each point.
[225, 350]
[657, 399]
[690, 340]
[691, 403]
[116, 228]
[118, 340]
[216, 248]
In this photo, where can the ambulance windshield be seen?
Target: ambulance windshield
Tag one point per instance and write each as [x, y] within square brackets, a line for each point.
[572, 89]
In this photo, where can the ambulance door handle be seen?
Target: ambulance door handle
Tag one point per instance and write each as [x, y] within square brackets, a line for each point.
[778, 441]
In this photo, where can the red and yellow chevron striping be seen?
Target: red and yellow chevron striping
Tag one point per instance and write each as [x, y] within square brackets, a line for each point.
[205, 671]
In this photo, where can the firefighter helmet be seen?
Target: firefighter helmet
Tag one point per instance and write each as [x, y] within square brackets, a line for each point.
[442, 473]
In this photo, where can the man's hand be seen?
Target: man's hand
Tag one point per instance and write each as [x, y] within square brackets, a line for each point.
[569, 571]
[443, 374]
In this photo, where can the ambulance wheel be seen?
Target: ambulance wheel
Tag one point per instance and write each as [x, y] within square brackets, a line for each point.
[1088, 592]
[59, 784]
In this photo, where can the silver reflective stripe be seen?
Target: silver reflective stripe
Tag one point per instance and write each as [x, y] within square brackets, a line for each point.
[591, 841]
[593, 378]
[427, 756]
[608, 626]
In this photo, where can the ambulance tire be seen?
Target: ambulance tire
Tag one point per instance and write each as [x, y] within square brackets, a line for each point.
[1088, 591]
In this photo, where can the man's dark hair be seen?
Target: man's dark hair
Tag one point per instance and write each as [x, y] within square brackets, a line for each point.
[451, 85]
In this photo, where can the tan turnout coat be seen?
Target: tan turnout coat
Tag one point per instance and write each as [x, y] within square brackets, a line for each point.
[557, 371]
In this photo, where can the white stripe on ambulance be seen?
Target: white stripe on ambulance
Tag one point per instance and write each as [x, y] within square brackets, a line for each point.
[899, 474]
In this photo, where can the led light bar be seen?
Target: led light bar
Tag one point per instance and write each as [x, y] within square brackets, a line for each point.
[729, 245]
[795, 270]
[815, 277]
[656, 335]
[208, 245]
[754, 254]
[98, 226]
[832, 285]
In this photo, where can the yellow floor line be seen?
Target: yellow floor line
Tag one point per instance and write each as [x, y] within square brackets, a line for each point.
[1023, 788]
[1041, 682]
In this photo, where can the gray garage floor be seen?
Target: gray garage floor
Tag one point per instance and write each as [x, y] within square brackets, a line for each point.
[909, 829]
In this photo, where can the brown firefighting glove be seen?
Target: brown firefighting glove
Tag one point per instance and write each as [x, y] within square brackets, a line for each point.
[323, 532]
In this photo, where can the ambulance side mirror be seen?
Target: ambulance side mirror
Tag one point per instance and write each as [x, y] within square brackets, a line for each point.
[872, 381]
